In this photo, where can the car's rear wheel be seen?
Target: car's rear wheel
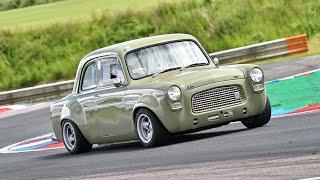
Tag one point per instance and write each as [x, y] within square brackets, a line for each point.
[73, 139]
[149, 129]
[259, 120]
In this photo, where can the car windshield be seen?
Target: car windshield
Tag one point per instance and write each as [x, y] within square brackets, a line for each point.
[164, 57]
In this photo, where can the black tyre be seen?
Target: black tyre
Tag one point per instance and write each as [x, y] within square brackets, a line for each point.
[259, 120]
[73, 139]
[149, 129]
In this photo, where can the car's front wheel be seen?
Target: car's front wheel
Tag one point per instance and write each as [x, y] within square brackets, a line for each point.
[73, 139]
[259, 120]
[149, 129]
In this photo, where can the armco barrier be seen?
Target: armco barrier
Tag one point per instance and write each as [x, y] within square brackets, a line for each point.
[36, 92]
[270, 49]
[280, 47]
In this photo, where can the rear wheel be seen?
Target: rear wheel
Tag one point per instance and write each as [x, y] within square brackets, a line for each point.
[149, 129]
[73, 139]
[259, 120]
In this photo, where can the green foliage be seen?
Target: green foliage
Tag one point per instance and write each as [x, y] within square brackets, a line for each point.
[14, 4]
[31, 57]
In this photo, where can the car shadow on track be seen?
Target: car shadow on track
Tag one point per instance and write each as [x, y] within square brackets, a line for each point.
[136, 146]
[203, 135]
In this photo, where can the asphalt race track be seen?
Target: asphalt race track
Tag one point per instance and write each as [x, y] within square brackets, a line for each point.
[286, 148]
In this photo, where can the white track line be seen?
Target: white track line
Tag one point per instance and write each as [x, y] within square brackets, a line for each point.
[7, 149]
[292, 76]
[313, 178]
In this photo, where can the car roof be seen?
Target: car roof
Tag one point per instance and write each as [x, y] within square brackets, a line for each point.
[122, 48]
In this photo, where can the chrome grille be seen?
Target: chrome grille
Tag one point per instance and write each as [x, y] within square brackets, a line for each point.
[216, 98]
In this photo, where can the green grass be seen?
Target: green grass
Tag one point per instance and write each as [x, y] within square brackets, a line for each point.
[67, 10]
[35, 56]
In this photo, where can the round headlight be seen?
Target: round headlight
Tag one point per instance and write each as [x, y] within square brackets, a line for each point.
[256, 74]
[174, 93]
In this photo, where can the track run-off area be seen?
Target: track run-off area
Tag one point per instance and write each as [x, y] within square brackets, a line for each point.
[288, 147]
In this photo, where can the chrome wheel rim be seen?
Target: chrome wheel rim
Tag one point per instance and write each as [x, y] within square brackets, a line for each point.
[144, 127]
[69, 135]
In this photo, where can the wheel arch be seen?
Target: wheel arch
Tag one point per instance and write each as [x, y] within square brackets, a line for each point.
[135, 111]
[159, 107]
[67, 119]
[72, 121]
[73, 111]
[82, 131]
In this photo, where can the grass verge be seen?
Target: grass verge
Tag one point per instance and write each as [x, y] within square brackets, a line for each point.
[70, 10]
[34, 56]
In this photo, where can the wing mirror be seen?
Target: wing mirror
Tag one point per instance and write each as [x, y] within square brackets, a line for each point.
[117, 82]
[216, 61]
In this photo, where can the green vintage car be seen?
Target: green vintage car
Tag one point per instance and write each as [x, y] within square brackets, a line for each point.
[152, 88]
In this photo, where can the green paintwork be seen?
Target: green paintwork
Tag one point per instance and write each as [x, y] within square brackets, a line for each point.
[107, 115]
[304, 91]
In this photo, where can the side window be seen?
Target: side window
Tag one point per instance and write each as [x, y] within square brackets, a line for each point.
[110, 71]
[89, 80]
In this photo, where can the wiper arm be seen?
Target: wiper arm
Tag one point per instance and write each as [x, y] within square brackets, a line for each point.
[170, 69]
[196, 64]
[166, 70]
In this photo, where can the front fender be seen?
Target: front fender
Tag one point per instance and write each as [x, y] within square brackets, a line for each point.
[157, 102]
[245, 68]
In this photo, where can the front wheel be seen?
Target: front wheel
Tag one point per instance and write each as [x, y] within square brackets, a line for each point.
[149, 129]
[73, 139]
[259, 120]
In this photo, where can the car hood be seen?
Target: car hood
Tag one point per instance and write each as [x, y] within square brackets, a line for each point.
[193, 78]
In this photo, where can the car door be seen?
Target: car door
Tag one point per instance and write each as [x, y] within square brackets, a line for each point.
[87, 88]
[110, 99]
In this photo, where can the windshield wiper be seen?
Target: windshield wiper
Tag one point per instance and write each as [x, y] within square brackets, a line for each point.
[166, 70]
[196, 64]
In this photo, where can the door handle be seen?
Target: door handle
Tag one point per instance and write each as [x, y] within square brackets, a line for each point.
[89, 105]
